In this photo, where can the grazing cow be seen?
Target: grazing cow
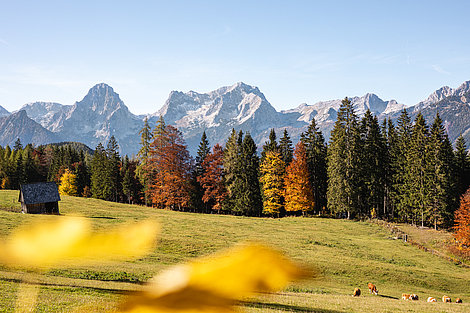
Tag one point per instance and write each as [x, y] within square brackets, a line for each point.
[414, 297]
[431, 299]
[458, 300]
[446, 299]
[405, 296]
[357, 292]
[372, 288]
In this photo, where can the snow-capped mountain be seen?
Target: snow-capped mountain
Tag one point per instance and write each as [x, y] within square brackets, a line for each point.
[3, 112]
[101, 114]
[19, 125]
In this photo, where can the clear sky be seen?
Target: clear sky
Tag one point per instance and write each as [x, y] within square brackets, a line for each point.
[294, 51]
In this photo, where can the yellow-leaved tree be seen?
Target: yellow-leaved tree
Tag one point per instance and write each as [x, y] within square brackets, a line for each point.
[68, 184]
[272, 180]
[298, 192]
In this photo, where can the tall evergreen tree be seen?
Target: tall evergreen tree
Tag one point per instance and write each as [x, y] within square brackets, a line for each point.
[248, 196]
[443, 198]
[232, 170]
[343, 162]
[391, 139]
[142, 157]
[418, 171]
[270, 145]
[462, 166]
[197, 190]
[113, 178]
[316, 150]
[400, 164]
[98, 172]
[372, 176]
[285, 148]
[17, 146]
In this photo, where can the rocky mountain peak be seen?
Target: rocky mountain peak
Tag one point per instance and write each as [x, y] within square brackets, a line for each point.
[102, 99]
[3, 112]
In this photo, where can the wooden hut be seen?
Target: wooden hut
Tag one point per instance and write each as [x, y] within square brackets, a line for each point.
[39, 198]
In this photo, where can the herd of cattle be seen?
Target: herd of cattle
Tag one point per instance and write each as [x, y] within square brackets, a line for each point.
[405, 296]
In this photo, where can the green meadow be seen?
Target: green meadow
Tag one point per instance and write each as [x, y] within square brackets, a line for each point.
[345, 254]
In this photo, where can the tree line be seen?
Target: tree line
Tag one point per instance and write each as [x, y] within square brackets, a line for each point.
[408, 172]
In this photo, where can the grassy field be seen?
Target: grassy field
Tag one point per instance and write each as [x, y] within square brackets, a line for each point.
[347, 254]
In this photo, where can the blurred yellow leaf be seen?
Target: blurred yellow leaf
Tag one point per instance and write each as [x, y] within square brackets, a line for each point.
[215, 283]
[70, 240]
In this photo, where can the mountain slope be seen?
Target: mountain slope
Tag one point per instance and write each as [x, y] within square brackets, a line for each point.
[19, 125]
[3, 112]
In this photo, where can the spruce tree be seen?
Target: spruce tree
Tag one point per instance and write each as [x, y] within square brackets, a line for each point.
[390, 196]
[272, 170]
[197, 191]
[285, 148]
[343, 163]
[98, 172]
[462, 166]
[443, 197]
[418, 171]
[142, 157]
[113, 178]
[270, 145]
[249, 200]
[400, 164]
[372, 176]
[232, 170]
[316, 150]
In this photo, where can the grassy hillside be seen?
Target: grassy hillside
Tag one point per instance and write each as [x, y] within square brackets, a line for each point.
[348, 254]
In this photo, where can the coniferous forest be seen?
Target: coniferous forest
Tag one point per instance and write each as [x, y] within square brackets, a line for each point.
[404, 172]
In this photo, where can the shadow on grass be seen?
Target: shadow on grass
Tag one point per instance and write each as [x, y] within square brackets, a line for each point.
[104, 217]
[55, 285]
[389, 297]
[285, 307]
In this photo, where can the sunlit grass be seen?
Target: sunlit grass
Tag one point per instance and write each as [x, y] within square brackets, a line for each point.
[348, 254]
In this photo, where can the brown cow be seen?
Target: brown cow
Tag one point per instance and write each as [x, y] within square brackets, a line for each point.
[446, 299]
[431, 299]
[458, 300]
[405, 296]
[372, 288]
[357, 292]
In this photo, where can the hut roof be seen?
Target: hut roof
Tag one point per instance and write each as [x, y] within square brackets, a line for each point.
[39, 193]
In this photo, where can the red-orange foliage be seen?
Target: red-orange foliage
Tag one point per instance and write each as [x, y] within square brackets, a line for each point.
[462, 221]
[298, 191]
[169, 167]
[212, 178]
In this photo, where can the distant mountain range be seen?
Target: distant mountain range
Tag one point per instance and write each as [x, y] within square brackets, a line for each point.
[101, 114]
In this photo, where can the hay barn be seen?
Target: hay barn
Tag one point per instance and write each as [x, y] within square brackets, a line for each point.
[39, 198]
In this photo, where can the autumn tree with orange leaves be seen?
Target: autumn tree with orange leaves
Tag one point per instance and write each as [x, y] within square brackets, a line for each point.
[298, 192]
[212, 179]
[169, 166]
[462, 222]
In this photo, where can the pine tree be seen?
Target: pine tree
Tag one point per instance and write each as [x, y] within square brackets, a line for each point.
[285, 148]
[197, 191]
[316, 150]
[343, 162]
[142, 156]
[391, 139]
[298, 190]
[68, 184]
[248, 194]
[232, 170]
[462, 166]
[443, 198]
[98, 172]
[418, 171]
[17, 146]
[212, 179]
[400, 164]
[270, 145]
[372, 165]
[113, 178]
[272, 181]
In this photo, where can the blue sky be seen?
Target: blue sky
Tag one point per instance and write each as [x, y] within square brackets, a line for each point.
[294, 51]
